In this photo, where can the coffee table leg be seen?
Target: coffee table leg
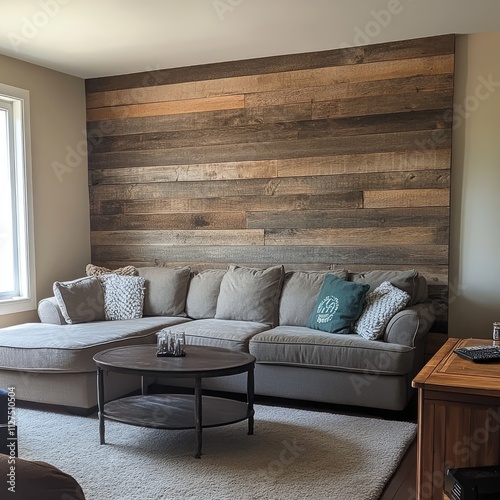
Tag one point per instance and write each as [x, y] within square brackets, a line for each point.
[198, 415]
[100, 402]
[250, 398]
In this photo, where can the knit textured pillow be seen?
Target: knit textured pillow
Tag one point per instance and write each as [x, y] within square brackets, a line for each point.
[92, 270]
[123, 296]
[379, 307]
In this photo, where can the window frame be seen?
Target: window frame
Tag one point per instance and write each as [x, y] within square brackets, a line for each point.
[22, 188]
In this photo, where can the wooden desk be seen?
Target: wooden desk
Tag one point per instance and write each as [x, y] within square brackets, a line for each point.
[458, 416]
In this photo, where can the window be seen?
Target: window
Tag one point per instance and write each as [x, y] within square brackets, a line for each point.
[17, 271]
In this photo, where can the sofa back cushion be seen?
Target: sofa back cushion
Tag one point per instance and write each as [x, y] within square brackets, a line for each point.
[166, 290]
[202, 294]
[248, 294]
[409, 281]
[299, 294]
[80, 300]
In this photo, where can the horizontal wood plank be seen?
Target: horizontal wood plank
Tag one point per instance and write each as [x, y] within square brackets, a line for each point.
[413, 255]
[406, 198]
[366, 144]
[166, 108]
[361, 237]
[365, 218]
[179, 237]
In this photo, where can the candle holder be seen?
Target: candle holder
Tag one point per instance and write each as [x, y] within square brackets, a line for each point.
[170, 344]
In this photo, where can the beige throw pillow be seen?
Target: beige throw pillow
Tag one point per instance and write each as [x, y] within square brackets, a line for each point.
[248, 294]
[166, 290]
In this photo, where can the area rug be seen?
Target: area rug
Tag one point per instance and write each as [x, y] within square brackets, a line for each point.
[294, 454]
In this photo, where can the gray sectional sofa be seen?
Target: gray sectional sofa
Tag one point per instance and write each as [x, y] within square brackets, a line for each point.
[264, 312]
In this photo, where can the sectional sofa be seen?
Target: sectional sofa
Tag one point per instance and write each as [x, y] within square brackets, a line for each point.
[266, 312]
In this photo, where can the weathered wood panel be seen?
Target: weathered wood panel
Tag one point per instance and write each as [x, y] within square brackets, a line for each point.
[329, 159]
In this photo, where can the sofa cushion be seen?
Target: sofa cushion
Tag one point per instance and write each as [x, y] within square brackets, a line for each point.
[80, 300]
[338, 305]
[299, 294]
[202, 294]
[166, 290]
[409, 281]
[380, 306]
[229, 334]
[41, 347]
[248, 294]
[305, 347]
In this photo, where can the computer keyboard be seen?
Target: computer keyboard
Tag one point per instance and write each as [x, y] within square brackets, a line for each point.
[480, 353]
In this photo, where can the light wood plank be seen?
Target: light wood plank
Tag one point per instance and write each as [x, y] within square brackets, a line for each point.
[166, 108]
[407, 198]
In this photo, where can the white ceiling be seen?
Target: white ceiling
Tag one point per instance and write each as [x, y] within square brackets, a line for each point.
[91, 38]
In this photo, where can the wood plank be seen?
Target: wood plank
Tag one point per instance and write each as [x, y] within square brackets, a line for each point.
[166, 108]
[427, 159]
[407, 198]
[186, 173]
[349, 90]
[405, 49]
[179, 237]
[204, 120]
[365, 218]
[361, 237]
[413, 255]
[373, 143]
[218, 220]
[376, 105]
[344, 200]
[314, 186]
[327, 75]
[179, 139]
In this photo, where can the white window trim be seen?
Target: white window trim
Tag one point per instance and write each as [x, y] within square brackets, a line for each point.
[27, 300]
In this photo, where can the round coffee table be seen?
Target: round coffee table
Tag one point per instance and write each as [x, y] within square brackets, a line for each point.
[175, 411]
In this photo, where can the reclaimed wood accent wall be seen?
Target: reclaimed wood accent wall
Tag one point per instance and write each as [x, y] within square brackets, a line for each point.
[329, 159]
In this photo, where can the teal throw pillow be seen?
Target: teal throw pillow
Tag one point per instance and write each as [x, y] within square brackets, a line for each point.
[339, 305]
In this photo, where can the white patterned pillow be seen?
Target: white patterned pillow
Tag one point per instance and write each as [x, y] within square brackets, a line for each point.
[380, 306]
[123, 296]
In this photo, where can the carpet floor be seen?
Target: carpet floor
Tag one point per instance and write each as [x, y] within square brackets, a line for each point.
[294, 454]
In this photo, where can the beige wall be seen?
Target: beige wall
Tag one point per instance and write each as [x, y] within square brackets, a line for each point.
[61, 207]
[475, 221]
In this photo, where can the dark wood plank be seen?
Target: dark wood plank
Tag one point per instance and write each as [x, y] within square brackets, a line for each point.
[366, 218]
[321, 185]
[373, 143]
[413, 255]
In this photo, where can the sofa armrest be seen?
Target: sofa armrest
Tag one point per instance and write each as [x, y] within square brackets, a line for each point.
[409, 326]
[50, 312]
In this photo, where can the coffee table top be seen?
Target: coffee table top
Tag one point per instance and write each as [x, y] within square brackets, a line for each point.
[447, 371]
[200, 361]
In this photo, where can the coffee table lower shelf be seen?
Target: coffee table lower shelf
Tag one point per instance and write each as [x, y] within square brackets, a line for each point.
[175, 411]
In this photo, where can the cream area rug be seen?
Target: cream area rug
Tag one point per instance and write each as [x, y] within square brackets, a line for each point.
[293, 454]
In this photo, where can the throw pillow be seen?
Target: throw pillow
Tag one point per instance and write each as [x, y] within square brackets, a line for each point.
[123, 296]
[299, 295]
[248, 294]
[380, 306]
[80, 300]
[166, 290]
[92, 270]
[338, 306]
[203, 291]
